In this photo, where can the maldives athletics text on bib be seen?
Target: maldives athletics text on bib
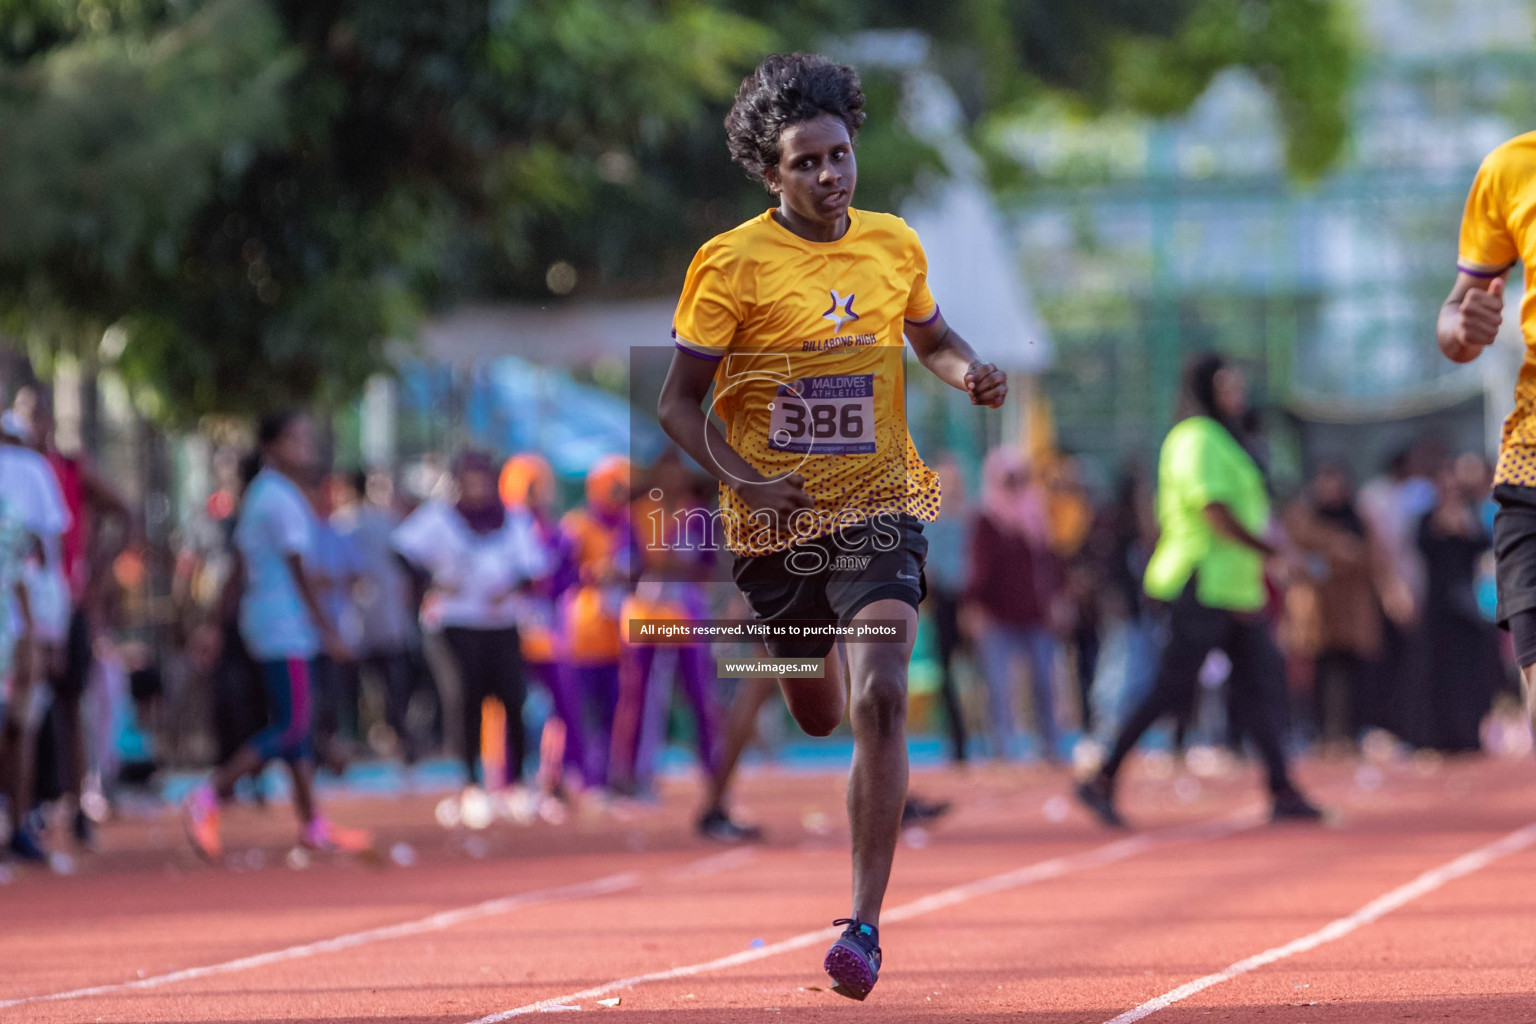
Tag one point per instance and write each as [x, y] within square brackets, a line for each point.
[824, 416]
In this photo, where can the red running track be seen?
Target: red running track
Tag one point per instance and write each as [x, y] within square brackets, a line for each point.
[1016, 908]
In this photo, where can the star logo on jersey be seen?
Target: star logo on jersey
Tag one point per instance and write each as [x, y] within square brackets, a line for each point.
[841, 311]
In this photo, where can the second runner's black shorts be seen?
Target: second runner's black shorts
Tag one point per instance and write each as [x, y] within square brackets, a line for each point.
[830, 579]
[1514, 550]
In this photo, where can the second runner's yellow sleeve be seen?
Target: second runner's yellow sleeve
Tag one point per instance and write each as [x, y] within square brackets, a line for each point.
[1487, 246]
[708, 313]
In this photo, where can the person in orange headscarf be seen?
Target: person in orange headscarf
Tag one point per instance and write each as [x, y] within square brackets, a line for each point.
[528, 483]
[588, 613]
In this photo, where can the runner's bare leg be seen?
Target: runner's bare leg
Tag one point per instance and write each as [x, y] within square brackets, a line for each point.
[877, 785]
[751, 695]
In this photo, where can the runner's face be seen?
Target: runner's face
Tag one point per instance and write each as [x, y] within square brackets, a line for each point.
[816, 173]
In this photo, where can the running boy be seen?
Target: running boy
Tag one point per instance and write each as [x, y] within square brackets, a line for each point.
[796, 317]
[1498, 230]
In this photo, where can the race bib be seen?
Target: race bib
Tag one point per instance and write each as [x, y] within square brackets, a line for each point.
[824, 416]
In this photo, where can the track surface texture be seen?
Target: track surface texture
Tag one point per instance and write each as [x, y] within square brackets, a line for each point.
[1416, 903]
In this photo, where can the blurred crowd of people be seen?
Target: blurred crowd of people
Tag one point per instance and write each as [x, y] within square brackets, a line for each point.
[1381, 600]
[331, 616]
[62, 527]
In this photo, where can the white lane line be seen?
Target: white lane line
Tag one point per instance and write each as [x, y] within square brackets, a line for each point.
[433, 923]
[714, 864]
[1109, 853]
[1426, 883]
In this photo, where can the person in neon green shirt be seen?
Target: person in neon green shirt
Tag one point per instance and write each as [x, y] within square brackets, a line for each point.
[1208, 569]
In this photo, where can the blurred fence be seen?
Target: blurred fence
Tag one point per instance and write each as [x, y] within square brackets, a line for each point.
[1187, 237]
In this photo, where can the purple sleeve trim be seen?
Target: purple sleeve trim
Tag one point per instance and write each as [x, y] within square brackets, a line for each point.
[697, 354]
[930, 318]
[1483, 273]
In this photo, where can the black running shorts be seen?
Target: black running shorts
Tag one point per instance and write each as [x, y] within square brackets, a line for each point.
[830, 579]
[1514, 550]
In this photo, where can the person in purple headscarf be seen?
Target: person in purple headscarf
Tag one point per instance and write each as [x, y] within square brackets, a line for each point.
[482, 560]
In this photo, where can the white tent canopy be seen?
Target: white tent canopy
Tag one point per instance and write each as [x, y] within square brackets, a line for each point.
[974, 275]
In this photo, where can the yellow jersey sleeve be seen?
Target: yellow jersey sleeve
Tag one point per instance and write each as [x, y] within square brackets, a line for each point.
[708, 313]
[1487, 247]
[921, 309]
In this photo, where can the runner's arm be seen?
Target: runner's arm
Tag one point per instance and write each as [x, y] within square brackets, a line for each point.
[682, 416]
[309, 588]
[950, 358]
[1470, 317]
[1226, 524]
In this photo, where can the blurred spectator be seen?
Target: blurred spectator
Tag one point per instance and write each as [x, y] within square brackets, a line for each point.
[528, 483]
[1464, 668]
[1013, 581]
[239, 698]
[85, 551]
[482, 560]
[28, 483]
[673, 522]
[15, 673]
[945, 570]
[1213, 506]
[284, 624]
[1392, 505]
[337, 571]
[387, 627]
[1076, 614]
[603, 545]
[1124, 544]
[1343, 572]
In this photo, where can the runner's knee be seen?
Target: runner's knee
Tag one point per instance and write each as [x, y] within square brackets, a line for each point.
[880, 704]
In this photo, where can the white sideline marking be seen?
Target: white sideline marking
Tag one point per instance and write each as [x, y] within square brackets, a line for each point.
[1122, 849]
[714, 864]
[1426, 883]
[433, 923]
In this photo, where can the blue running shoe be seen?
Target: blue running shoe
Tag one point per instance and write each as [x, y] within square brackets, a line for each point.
[854, 959]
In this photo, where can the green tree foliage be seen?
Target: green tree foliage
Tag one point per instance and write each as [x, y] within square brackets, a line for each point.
[260, 192]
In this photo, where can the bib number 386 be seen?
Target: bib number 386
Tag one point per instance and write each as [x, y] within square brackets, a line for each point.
[824, 416]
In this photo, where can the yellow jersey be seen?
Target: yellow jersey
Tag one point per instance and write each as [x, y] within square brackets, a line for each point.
[809, 341]
[1498, 230]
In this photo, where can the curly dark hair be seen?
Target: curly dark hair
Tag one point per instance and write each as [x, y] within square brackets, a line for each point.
[787, 89]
